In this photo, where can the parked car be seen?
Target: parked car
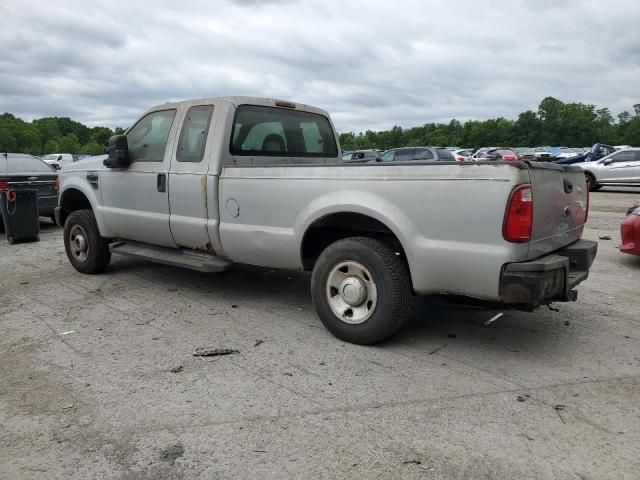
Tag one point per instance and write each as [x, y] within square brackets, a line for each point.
[462, 155]
[566, 152]
[479, 154]
[58, 160]
[598, 151]
[361, 156]
[621, 168]
[499, 154]
[408, 154]
[266, 186]
[20, 171]
[526, 153]
[543, 153]
[630, 231]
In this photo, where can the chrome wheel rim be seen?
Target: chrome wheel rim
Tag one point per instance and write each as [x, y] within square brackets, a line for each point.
[351, 292]
[78, 243]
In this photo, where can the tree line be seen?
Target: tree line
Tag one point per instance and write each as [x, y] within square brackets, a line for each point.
[51, 135]
[554, 123]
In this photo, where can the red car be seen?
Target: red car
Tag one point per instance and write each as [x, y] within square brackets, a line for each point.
[630, 231]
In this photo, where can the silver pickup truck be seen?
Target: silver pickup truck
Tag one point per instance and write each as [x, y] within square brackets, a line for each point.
[202, 184]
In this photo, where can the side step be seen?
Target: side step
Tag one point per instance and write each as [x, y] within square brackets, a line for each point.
[200, 262]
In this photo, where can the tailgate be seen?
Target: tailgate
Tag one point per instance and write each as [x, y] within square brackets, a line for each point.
[560, 199]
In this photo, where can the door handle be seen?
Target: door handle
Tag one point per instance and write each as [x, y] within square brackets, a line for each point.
[161, 182]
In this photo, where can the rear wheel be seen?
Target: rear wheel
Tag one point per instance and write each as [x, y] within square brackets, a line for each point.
[361, 290]
[87, 251]
[591, 182]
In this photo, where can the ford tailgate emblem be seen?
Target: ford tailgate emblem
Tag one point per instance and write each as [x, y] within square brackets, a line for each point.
[32, 178]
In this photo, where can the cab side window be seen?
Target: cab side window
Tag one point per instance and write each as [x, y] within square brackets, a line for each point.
[623, 157]
[422, 154]
[148, 138]
[193, 136]
[388, 156]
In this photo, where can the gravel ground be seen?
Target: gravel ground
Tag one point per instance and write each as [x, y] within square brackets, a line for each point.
[99, 381]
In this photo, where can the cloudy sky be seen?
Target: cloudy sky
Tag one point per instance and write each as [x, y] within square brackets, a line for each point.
[371, 64]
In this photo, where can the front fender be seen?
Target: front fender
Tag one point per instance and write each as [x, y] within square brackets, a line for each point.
[74, 181]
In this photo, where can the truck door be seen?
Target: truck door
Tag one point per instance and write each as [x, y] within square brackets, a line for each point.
[135, 198]
[189, 184]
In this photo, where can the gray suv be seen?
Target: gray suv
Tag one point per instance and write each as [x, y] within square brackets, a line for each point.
[413, 154]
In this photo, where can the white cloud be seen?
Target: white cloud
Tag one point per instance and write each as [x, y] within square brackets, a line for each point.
[371, 64]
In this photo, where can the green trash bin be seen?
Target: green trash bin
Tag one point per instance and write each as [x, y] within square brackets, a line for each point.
[19, 211]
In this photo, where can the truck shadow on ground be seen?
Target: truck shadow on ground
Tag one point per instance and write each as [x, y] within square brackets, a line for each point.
[431, 318]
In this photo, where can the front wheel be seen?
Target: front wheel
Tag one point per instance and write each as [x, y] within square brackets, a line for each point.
[87, 251]
[361, 290]
[591, 182]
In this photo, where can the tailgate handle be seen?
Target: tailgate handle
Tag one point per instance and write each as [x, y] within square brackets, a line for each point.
[568, 186]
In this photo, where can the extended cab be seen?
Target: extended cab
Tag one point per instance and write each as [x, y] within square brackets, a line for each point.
[202, 184]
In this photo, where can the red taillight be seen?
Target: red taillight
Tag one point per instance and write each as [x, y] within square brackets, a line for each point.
[518, 219]
[510, 158]
[4, 186]
[461, 159]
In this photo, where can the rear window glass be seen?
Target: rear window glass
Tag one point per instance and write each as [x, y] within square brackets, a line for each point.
[278, 132]
[24, 165]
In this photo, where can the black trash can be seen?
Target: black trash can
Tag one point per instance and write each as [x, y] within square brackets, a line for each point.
[19, 210]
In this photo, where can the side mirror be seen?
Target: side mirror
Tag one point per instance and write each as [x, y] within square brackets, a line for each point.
[608, 161]
[118, 150]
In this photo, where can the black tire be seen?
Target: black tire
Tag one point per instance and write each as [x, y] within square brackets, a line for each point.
[392, 284]
[97, 255]
[591, 182]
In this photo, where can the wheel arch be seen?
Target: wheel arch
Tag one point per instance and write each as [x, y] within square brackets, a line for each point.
[333, 226]
[75, 197]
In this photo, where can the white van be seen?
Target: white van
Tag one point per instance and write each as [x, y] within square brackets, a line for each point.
[57, 160]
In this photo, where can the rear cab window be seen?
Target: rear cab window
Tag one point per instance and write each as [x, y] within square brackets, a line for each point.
[280, 132]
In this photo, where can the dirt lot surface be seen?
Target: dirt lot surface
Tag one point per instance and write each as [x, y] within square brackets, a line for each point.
[98, 379]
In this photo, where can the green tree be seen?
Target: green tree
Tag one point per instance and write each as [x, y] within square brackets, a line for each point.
[69, 143]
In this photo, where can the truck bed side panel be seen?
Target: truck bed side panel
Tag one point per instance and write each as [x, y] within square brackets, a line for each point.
[447, 217]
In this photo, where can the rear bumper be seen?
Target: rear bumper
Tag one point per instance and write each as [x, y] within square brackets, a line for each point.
[550, 278]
